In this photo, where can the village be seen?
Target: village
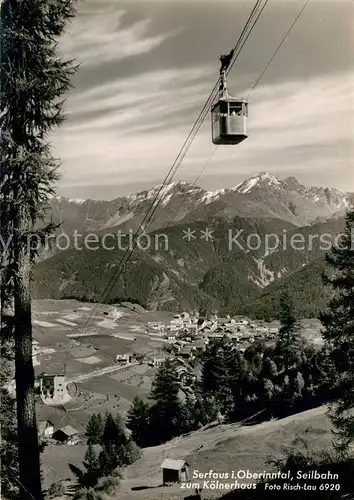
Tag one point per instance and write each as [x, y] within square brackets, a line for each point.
[91, 359]
[142, 347]
[182, 339]
[188, 335]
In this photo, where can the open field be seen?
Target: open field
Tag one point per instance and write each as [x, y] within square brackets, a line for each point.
[104, 337]
[89, 360]
[82, 340]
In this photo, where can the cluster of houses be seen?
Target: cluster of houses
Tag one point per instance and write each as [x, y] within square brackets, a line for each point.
[190, 333]
[186, 336]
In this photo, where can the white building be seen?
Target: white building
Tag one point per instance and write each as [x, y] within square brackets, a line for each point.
[158, 361]
[155, 327]
[176, 323]
[124, 359]
[53, 389]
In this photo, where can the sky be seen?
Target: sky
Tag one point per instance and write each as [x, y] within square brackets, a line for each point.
[147, 68]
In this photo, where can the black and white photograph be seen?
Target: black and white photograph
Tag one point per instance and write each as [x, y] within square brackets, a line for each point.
[177, 250]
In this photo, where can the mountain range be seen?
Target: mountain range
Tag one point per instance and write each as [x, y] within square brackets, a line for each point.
[225, 272]
[262, 195]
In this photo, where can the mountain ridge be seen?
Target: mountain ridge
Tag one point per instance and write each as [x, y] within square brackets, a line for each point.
[198, 274]
[261, 195]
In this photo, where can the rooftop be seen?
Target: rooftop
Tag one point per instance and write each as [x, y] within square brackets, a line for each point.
[68, 430]
[169, 463]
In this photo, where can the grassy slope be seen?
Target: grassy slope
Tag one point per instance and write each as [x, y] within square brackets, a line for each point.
[224, 448]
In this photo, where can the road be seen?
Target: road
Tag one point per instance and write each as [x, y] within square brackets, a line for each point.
[99, 373]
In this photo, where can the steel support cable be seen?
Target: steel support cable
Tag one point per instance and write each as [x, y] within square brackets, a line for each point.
[172, 171]
[278, 48]
[235, 57]
[178, 160]
[170, 176]
[254, 10]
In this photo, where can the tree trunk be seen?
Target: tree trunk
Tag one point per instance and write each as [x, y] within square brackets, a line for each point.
[28, 444]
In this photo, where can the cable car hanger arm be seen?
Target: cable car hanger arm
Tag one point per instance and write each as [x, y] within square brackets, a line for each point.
[225, 61]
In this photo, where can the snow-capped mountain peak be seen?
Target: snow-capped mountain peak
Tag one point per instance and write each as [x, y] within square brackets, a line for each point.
[211, 196]
[261, 195]
[79, 201]
[259, 180]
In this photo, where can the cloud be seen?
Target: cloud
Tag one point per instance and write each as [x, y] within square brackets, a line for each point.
[140, 89]
[99, 37]
[302, 124]
[132, 102]
[303, 127]
[108, 141]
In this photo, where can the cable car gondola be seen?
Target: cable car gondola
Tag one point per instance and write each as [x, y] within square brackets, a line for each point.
[229, 114]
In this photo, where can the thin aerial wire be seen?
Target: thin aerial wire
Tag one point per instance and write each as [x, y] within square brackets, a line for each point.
[210, 157]
[246, 39]
[278, 48]
[171, 172]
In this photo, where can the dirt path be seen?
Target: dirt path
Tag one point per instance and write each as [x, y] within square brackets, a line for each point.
[99, 373]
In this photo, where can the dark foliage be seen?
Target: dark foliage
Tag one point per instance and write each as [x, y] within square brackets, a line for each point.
[339, 332]
[116, 451]
[264, 381]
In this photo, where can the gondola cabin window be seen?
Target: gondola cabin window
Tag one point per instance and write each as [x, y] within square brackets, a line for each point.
[229, 121]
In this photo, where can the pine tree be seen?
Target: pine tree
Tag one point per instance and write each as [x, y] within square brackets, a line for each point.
[138, 421]
[8, 443]
[269, 369]
[118, 449]
[100, 425]
[286, 398]
[288, 342]
[268, 390]
[33, 82]
[166, 385]
[92, 467]
[113, 432]
[94, 429]
[110, 429]
[122, 438]
[339, 332]
[164, 414]
[108, 459]
[218, 358]
[127, 453]
[224, 375]
[298, 385]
